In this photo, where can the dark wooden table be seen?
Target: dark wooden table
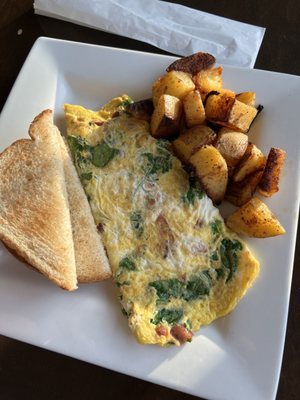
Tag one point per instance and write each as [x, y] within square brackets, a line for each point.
[28, 372]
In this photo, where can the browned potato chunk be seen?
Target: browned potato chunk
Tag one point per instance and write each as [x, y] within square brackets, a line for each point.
[238, 193]
[193, 64]
[209, 80]
[174, 83]
[232, 145]
[142, 109]
[165, 119]
[193, 109]
[269, 183]
[191, 140]
[255, 219]
[211, 170]
[248, 98]
[253, 160]
[225, 110]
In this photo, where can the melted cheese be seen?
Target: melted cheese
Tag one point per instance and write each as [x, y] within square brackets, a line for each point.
[173, 258]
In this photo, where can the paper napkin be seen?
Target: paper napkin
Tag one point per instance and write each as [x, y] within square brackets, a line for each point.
[172, 27]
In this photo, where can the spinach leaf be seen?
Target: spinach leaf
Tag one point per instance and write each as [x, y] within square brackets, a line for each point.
[137, 222]
[171, 316]
[193, 289]
[86, 176]
[102, 154]
[194, 192]
[229, 256]
[77, 144]
[216, 227]
[166, 288]
[197, 287]
[127, 263]
[157, 164]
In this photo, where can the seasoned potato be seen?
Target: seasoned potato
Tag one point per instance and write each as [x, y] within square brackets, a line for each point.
[248, 98]
[158, 89]
[174, 83]
[209, 80]
[211, 170]
[218, 105]
[253, 160]
[191, 140]
[193, 63]
[255, 219]
[142, 109]
[238, 193]
[165, 120]
[193, 109]
[232, 145]
[224, 109]
[269, 183]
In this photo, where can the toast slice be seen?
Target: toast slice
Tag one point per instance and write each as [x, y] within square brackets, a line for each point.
[91, 261]
[34, 212]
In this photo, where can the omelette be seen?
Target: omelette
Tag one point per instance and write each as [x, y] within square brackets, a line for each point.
[176, 264]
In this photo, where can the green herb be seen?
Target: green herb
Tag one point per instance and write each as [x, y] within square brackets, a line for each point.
[220, 273]
[171, 316]
[156, 164]
[86, 176]
[193, 289]
[197, 287]
[188, 325]
[124, 312]
[167, 288]
[216, 226]
[76, 144]
[127, 263]
[194, 191]
[214, 256]
[102, 154]
[125, 103]
[229, 257]
[137, 222]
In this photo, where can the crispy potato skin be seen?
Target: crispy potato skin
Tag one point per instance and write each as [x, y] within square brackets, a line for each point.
[218, 106]
[253, 160]
[238, 193]
[269, 183]
[142, 109]
[255, 219]
[193, 63]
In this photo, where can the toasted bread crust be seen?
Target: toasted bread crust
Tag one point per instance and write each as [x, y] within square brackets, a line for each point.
[34, 213]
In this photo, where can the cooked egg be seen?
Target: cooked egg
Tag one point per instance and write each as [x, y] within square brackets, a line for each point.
[175, 262]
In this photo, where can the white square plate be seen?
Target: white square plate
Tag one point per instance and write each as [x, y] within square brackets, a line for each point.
[236, 357]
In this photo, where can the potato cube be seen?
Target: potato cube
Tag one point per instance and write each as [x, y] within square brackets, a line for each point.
[174, 83]
[225, 110]
[165, 120]
[193, 63]
[218, 106]
[211, 170]
[253, 160]
[232, 145]
[209, 80]
[191, 140]
[248, 98]
[193, 109]
[238, 193]
[255, 219]
[269, 183]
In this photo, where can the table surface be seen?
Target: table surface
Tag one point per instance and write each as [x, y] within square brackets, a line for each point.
[29, 372]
